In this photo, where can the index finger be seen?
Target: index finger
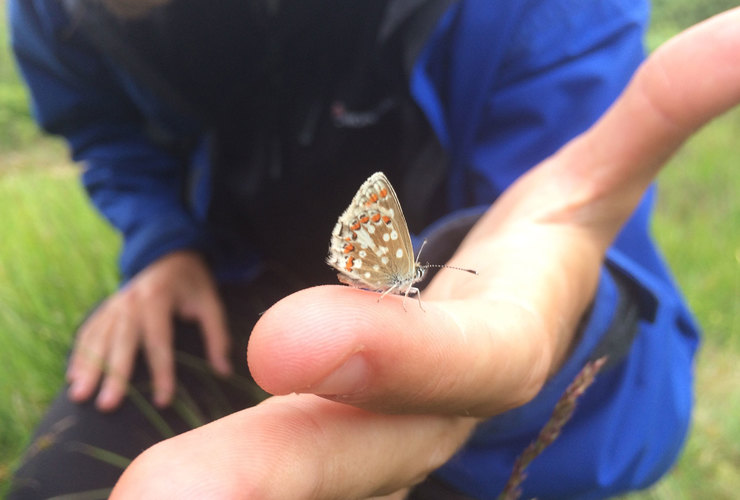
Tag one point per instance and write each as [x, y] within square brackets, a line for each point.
[343, 343]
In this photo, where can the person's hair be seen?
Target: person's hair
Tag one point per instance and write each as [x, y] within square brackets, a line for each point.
[131, 8]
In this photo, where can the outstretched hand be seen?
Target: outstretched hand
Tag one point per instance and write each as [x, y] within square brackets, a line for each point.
[141, 315]
[387, 395]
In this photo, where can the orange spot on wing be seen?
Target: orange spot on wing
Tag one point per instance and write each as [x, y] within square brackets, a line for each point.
[374, 197]
[348, 247]
[386, 219]
[355, 226]
[376, 217]
[383, 193]
[348, 265]
[364, 219]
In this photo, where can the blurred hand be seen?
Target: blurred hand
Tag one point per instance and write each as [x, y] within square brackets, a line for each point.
[140, 315]
[387, 395]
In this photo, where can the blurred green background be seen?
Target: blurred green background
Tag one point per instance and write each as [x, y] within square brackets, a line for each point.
[57, 257]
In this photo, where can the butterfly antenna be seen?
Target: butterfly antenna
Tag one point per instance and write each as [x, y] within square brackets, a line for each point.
[427, 265]
[418, 254]
[471, 271]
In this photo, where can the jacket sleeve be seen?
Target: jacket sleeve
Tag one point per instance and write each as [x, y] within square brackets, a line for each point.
[76, 94]
[505, 84]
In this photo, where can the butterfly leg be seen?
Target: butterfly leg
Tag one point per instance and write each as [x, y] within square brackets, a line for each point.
[387, 292]
[418, 297]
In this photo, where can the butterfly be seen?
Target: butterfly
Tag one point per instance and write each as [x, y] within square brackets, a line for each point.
[371, 246]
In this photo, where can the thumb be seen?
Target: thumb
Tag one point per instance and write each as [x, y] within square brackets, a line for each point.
[688, 81]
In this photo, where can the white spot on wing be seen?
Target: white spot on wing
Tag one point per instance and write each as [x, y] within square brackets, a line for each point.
[399, 253]
[364, 239]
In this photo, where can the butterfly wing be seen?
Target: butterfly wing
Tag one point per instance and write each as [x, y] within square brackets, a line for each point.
[370, 245]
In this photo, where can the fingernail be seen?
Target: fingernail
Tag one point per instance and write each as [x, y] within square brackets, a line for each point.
[222, 367]
[349, 378]
[105, 399]
[76, 391]
[161, 399]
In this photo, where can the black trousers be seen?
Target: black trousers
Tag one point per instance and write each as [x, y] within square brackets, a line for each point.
[80, 452]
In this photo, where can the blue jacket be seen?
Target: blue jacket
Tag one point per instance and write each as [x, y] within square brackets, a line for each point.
[503, 85]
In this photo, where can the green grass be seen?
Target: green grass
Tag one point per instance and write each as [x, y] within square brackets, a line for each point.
[18, 131]
[698, 191]
[57, 257]
[697, 224]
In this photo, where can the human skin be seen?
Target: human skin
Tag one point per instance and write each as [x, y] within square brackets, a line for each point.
[370, 398]
[140, 315]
